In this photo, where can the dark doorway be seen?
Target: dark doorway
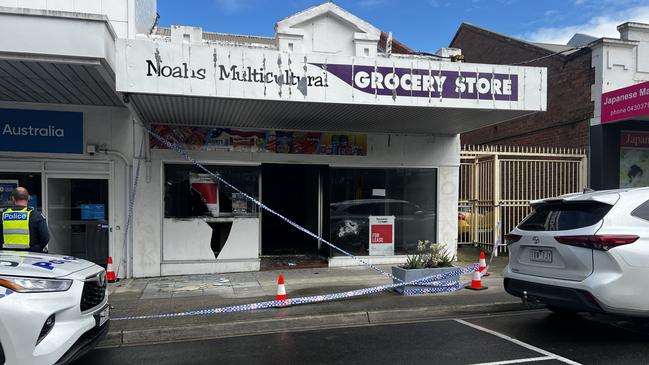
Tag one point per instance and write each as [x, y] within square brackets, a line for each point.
[292, 191]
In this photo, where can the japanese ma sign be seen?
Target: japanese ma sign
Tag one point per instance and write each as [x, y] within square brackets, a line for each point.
[41, 131]
[625, 103]
[381, 235]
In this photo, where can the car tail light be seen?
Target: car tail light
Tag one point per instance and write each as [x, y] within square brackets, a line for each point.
[512, 238]
[598, 242]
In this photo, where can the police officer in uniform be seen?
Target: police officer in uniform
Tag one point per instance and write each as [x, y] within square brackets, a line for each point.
[23, 228]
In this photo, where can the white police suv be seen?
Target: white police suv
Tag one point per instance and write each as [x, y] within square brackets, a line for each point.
[53, 309]
[584, 253]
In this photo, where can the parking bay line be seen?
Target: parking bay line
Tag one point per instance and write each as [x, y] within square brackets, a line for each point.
[550, 355]
[518, 361]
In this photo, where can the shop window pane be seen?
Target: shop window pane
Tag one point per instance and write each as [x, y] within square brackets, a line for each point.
[29, 180]
[78, 218]
[408, 194]
[190, 192]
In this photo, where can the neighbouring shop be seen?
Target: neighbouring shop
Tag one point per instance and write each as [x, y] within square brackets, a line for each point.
[621, 141]
[65, 133]
[42, 150]
[620, 94]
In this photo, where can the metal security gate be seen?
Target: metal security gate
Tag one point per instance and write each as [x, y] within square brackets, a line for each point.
[498, 182]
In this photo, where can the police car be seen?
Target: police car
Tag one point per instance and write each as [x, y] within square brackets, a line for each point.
[53, 309]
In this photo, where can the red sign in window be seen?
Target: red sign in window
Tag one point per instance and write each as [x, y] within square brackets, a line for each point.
[381, 234]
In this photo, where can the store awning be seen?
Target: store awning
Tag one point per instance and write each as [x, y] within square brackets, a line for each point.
[57, 57]
[85, 82]
[311, 116]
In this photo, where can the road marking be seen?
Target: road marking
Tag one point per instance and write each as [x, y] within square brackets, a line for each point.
[518, 361]
[520, 343]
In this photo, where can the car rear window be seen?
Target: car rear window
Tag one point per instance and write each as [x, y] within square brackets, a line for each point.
[642, 211]
[564, 216]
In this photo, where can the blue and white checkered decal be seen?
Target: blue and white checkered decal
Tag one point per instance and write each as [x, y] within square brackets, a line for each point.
[4, 292]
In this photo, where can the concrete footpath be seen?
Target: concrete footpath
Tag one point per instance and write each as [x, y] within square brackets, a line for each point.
[135, 297]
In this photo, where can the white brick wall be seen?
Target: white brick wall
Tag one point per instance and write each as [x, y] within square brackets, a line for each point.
[115, 10]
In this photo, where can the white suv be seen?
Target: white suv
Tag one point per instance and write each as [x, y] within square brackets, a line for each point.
[53, 308]
[584, 253]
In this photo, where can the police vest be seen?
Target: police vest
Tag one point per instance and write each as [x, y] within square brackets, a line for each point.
[15, 228]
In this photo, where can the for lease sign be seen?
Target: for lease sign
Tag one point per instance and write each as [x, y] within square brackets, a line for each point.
[625, 103]
[382, 235]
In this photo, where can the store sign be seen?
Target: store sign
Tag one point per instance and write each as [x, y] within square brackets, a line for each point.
[625, 103]
[93, 212]
[41, 131]
[425, 83]
[262, 141]
[634, 159]
[381, 235]
[232, 71]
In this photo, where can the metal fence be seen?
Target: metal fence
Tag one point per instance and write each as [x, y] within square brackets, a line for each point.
[498, 182]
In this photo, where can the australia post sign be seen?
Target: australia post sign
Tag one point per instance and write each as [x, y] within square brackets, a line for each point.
[262, 73]
[625, 103]
[41, 131]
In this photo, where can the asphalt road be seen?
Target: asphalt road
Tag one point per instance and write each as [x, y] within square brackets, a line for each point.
[531, 337]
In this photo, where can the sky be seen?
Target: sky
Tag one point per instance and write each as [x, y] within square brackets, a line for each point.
[423, 25]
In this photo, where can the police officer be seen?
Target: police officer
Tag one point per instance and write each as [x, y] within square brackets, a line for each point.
[23, 228]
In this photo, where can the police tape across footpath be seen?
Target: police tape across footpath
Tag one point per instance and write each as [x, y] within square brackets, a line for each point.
[435, 283]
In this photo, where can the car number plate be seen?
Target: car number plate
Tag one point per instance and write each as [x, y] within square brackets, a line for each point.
[540, 255]
[102, 316]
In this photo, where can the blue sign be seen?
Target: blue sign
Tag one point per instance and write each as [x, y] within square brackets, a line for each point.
[6, 188]
[41, 131]
[92, 212]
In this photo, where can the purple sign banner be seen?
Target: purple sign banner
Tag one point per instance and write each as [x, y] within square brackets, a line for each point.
[426, 83]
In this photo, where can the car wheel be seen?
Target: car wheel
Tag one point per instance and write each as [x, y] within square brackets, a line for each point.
[561, 311]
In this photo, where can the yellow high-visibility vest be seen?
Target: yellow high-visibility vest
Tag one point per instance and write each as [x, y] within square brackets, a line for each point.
[15, 228]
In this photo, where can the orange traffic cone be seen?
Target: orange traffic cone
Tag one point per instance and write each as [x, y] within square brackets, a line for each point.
[476, 282]
[110, 274]
[483, 265]
[281, 290]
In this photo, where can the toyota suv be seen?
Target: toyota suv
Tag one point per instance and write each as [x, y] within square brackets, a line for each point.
[53, 308]
[585, 252]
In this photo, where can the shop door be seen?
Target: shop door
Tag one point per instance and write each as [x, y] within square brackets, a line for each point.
[294, 192]
[77, 217]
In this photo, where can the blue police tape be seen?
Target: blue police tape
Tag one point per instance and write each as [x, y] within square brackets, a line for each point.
[175, 147]
[131, 203]
[439, 288]
[454, 287]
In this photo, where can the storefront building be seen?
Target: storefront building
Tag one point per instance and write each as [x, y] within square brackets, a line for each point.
[322, 123]
[65, 132]
[619, 129]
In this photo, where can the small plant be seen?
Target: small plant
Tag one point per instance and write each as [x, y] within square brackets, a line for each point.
[429, 255]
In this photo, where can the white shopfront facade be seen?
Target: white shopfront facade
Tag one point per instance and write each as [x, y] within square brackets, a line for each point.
[619, 134]
[321, 125]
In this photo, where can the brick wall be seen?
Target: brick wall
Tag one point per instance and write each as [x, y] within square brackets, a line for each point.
[566, 121]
